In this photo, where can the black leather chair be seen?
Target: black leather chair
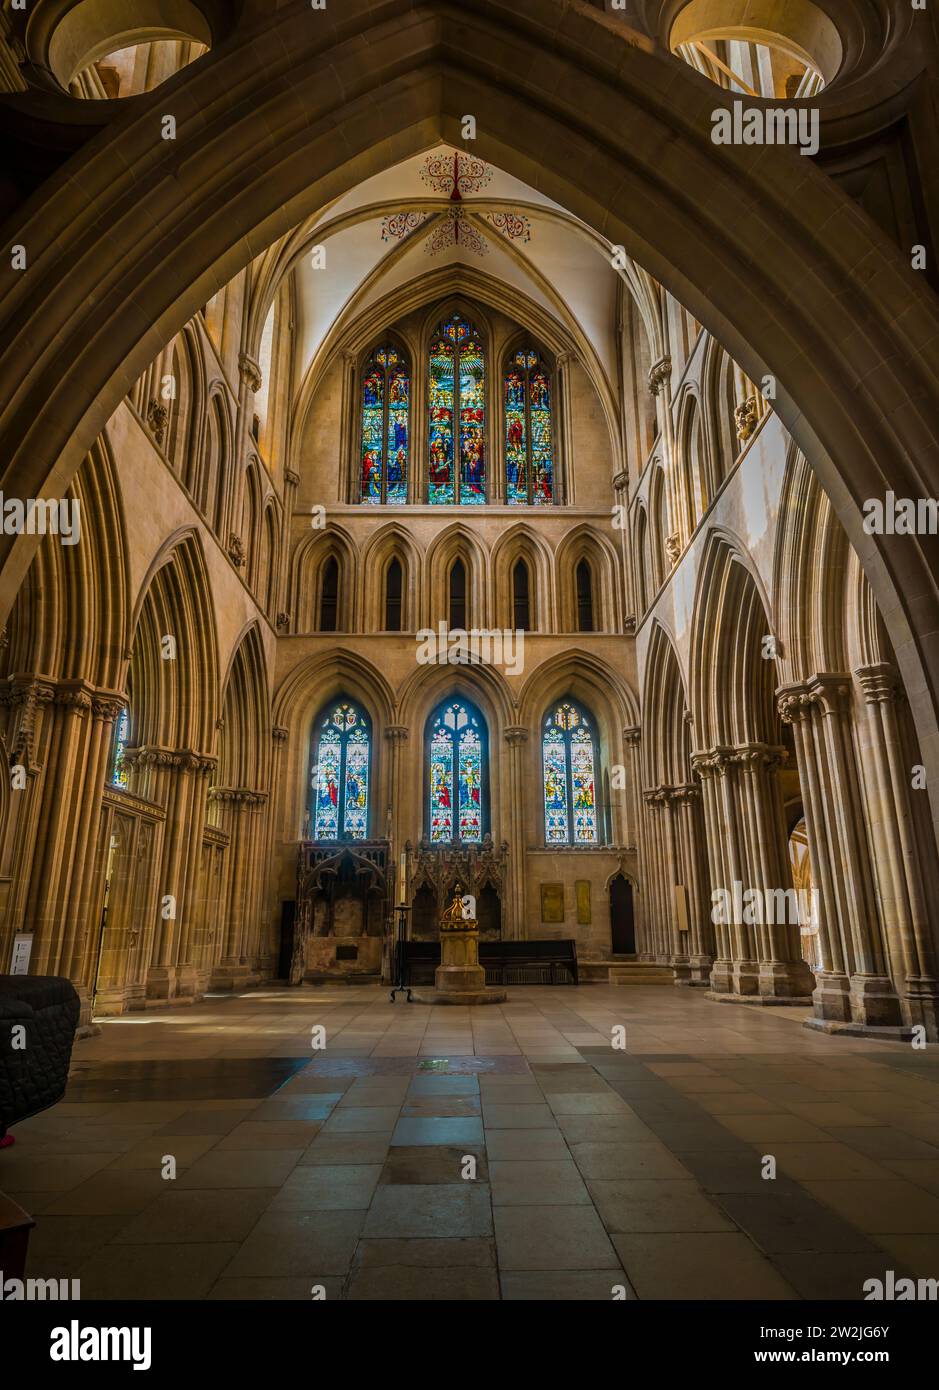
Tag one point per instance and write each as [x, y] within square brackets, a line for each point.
[34, 1076]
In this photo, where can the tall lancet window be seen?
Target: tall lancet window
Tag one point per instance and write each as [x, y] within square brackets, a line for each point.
[385, 400]
[529, 435]
[569, 762]
[118, 771]
[457, 773]
[457, 405]
[339, 774]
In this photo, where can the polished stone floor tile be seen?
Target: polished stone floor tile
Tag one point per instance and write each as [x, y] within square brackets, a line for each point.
[574, 1285]
[414, 1131]
[154, 1271]
[298, 1243]
[339, 1187]
[537, 1183]
[704, 1265]
[403, 1211]
[241, 1168]
[551, 1238]
[433, 1163]
[178, 1217]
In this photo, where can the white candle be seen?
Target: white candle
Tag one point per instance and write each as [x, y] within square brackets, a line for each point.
[402, 880]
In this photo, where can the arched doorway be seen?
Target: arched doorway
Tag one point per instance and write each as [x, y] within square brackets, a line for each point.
[622, 917]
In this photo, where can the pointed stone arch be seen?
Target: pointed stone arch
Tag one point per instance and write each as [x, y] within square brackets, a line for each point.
[308, 564]
[584, 543]
[391, 542]
[456, 542]
[523, 542]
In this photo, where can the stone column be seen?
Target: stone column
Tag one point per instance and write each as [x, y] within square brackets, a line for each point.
[70, 743]
[516, 738]
[349, 463]
[853, 984]
[908, 927]
[242, 818]
[673, 877]
[735, 969]
[177, 780]
[630, 606]
[231, 505]
[563, 483]
[686, 804]
[660, 376]
[783, 973]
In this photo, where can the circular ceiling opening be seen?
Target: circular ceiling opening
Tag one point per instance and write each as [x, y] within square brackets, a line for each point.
[108, 48]
[775, 49]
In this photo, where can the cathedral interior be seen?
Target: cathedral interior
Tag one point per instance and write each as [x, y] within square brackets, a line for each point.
[444, 470]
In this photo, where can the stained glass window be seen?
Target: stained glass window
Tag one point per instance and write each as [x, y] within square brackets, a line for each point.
[529, 436]
[569, 763]
[457, 774]
[385, 400]
[340, 774]
[119, 771]
[457, 404]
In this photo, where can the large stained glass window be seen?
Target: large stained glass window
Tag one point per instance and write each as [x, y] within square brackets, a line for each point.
[385, 399]
[529, 437]
[569, 762]
[118, 775]
[457, 777]
[340, 773]
[457, 404]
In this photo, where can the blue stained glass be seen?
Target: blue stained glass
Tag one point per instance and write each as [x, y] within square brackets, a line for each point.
[440, 462]
[119, 770]
[339, 781]
[385, 405]
[529, 432]
[456, 775]
[457, 415]
[570, 778]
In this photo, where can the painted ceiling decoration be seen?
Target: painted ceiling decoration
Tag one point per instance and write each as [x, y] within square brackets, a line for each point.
[401, 224]
[455, 176]
[514, 225]
[455, 229]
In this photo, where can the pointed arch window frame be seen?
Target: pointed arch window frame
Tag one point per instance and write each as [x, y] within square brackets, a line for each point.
[324, 723]
[482, 728]
[530, 350]
[456, 482]
[370, 365]
[588, 723]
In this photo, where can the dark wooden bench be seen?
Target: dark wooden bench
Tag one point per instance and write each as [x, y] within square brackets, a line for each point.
[505, 962]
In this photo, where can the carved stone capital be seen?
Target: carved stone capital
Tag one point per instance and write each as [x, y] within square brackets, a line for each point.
[397, 733]
[238, 796]
[279, 734]
[516, 735]
[108, 707]
[659, 374]
[236, 550]
[291, 477]
[880, 684]
[826, 694]
[250, 371]
[632, 736]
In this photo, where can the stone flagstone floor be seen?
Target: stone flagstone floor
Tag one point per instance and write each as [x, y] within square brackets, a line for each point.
[595, 1169]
